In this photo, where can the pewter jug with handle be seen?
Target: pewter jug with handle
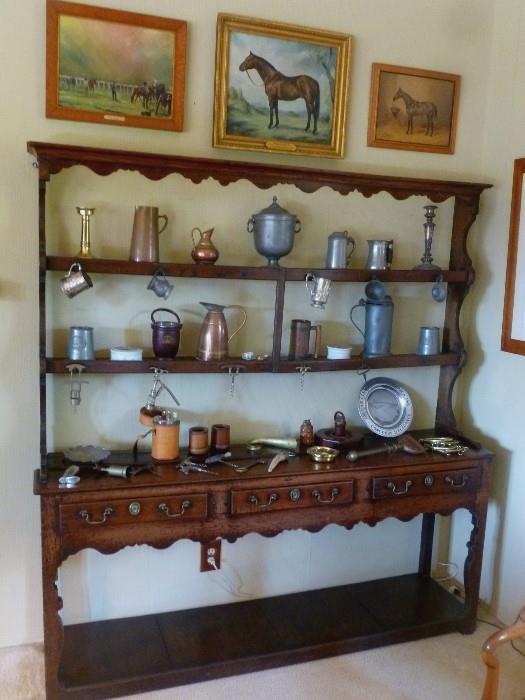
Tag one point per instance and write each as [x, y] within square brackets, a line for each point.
[340, 248]
[213, 337]
[145, 236]
[378, 325]
[380, 254]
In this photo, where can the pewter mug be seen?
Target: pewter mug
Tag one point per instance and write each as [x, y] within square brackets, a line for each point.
[160, 285]
[428, 340]
[145, 236]
[378, 325]
[380, 254]
[80, 344]
[75, 281]
[319, 288]
[338, 253]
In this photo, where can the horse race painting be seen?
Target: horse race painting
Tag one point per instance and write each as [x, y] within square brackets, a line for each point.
[413, 109]
[280, 88]
[114, 67]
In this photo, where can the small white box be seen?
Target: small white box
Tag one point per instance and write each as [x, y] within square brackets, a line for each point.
[126, 353]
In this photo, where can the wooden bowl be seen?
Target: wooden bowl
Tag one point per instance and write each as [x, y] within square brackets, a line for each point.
[322, 454]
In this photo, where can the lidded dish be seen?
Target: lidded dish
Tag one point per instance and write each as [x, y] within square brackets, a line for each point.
[273, 231]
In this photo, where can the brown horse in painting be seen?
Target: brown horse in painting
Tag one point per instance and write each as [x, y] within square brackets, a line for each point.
[282, 87]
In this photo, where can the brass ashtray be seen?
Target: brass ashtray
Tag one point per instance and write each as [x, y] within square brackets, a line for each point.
[322, 454]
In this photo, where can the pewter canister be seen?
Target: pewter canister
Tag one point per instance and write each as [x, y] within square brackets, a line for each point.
[273, 231]
[80, 344]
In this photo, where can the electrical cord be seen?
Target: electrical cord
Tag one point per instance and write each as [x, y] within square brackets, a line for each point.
[227, 584]
[450, 576]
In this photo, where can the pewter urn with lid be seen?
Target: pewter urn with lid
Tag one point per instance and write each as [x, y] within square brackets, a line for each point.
[273, 231]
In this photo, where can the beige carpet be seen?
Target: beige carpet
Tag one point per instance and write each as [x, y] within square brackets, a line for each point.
[441, 668]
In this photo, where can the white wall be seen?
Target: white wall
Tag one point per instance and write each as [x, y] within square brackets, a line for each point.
[449, 36]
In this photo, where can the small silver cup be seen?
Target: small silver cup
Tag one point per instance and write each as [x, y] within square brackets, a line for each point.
[75, 281]
[428, 340]
[80, 345]
[319, 288]
[160, 285]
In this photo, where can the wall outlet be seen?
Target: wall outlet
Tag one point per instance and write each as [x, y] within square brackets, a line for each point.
[211, 555]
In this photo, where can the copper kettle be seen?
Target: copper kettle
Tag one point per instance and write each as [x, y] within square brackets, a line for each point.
[214, 338]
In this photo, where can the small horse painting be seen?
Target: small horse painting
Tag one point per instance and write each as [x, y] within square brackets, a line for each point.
[428, 110]
[143, 93]
[282, 87]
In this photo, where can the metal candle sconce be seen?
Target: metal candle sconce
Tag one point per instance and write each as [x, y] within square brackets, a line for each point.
[428, 226]
[85, 213]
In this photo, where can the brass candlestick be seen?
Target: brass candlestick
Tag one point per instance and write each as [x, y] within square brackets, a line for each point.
[428, 226]
[85, 213]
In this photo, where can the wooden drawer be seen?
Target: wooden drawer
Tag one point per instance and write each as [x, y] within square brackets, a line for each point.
[248, 501]
[140, 510]
[455, 480]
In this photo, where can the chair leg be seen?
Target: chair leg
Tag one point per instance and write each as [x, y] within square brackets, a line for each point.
[488, 653]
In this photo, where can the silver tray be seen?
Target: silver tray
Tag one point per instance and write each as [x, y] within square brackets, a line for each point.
[385, 407]
[87, 453]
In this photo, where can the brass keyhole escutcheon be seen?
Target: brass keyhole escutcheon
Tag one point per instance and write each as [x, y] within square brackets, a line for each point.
[294, 495]
[428, 480]
[134, 508]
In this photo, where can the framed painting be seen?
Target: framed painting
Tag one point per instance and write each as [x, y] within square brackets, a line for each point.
[114, 67]
[413, 109]
[280, 88]
[513, 329]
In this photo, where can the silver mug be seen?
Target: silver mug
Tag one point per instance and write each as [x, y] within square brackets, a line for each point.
[380, 254]
[428, 340]
[80, 345]
[75, 281]
[160, 285]
[319, 288]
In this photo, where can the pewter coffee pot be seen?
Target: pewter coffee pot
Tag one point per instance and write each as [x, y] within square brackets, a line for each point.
[214, 337]
[379, 313]
[340, 247]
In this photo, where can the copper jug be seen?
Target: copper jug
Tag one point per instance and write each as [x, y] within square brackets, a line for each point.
[214, 338]
[145, 236]
[204, 252]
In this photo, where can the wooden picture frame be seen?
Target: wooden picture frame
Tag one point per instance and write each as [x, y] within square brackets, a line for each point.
[513, 328]
[413, 109]
[112, 67]
[311, 69]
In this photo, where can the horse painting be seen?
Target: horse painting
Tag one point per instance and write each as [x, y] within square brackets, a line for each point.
[282, 87]
[417, 109]
[143, 93]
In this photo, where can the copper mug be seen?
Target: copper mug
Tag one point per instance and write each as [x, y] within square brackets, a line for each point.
[145, 236]
[75, 281]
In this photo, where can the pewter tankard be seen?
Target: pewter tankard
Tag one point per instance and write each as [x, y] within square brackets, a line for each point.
[380, 254]
[340, 247]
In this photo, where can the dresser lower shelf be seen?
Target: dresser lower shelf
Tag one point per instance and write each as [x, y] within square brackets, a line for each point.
[117, 657]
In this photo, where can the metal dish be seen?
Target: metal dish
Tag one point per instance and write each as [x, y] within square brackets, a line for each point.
[385, 407]
[322, 454]
[87, 453]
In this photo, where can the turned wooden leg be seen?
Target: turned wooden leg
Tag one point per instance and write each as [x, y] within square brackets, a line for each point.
[488, 654]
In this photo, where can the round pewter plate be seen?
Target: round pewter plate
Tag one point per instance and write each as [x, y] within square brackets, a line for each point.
[385, 407]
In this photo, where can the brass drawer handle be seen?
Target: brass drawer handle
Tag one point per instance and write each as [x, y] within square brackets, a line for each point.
[184, 506]
[457, 484]
[333, 495]
[393, 487]
[271, 499]
[105, 515]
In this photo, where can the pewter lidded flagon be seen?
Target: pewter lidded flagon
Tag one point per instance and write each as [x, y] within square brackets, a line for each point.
[273, 231]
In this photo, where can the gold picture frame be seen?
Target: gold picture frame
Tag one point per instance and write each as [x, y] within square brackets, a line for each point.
[413, 109]
[513, 327]
[113, 67]
[311, 69]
